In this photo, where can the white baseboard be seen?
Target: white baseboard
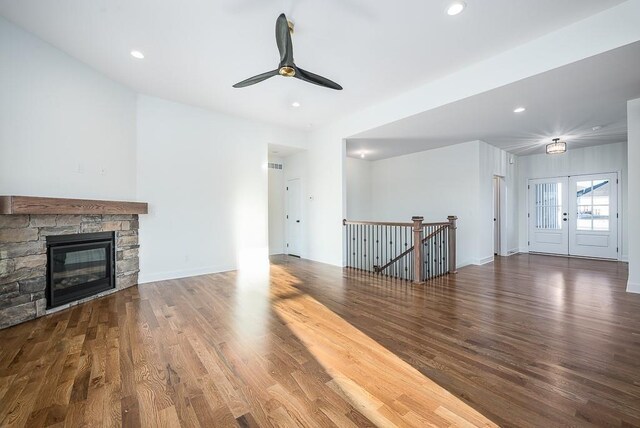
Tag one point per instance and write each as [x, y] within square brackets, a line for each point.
[512, 251]
[524, 250]
[624, 258]
[633, 287]
[184, 273]
[484, 261]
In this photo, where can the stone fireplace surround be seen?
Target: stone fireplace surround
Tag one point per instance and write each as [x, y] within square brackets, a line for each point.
[23, 258]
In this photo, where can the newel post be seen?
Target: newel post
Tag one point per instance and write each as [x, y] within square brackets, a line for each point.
[452, 243]
[417, 248]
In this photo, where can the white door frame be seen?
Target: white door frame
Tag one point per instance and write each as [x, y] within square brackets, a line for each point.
[503, 218]
[618, 217]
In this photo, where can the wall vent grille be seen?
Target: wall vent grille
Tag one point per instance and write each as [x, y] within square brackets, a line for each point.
[275, 165]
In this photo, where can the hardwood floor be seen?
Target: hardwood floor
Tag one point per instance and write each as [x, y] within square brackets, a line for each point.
[525, 341]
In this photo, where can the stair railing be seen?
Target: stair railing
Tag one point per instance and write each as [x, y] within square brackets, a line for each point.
[415, 251]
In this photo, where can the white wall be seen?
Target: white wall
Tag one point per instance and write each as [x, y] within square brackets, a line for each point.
[633, 228]
[65, 129]
[358, 173]
[433, 184]
[588, 160]
[205, 177]
[276, 208]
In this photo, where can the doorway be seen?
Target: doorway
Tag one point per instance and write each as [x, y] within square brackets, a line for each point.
[496, 215]
[576, 215]
[294, 217]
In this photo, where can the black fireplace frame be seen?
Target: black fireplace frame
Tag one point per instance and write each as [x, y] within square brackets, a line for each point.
[85, 241]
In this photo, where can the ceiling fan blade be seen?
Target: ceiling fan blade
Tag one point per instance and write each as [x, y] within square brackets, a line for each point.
[283, 40]
[310, 77]
[256, 79]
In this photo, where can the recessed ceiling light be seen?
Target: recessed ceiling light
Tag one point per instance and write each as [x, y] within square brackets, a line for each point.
[295, 104]
[137, 54]
[362, 155]
[519, 110]
[456, 8]
[596, 128]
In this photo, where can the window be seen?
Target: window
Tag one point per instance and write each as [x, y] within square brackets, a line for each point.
[549, 206]
[593, 205]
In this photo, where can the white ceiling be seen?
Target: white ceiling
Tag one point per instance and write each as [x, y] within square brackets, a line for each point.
[566, 102]
[195, 50]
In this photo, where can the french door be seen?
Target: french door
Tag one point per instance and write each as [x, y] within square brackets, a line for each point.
[574, 215]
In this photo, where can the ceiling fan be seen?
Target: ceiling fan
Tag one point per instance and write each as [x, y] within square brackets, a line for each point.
[287, 67]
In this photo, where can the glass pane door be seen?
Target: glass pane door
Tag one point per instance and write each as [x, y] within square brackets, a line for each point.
[548, 202]
[593, 232]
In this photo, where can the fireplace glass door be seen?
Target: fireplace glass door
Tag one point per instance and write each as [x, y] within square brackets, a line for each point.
[78, 269]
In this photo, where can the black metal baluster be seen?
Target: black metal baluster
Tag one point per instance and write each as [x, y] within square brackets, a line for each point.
[370, 251]
[394, 239]
[436, 240]
[348, 244]
[366, 245]
[439, 253]
[359, 244]
[446, 240]
[378, 246]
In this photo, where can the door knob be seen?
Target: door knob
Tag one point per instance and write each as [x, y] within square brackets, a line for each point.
[297, 221]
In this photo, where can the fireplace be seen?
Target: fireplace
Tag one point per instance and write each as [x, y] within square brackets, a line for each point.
[79, 266]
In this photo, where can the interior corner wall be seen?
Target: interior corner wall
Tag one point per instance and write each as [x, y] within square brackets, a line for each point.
[358, 173]
[205, 176]
[276, 208]
[633, 229]
[325, 196]
[587, 160]
[433, 184]
[495, 162]
[65, 129]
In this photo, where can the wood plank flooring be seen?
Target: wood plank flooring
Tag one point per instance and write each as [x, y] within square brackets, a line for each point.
[525, 341]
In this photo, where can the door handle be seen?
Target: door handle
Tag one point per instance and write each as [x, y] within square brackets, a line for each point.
[297, 221]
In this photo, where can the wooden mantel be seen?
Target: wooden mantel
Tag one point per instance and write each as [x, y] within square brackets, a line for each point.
[38, 205]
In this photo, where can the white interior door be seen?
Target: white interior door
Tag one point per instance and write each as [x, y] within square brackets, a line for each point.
[294, 217]
[548, 215]
[593, 225]
[496, 215]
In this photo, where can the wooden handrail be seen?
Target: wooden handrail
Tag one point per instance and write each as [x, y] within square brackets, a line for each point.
[435, 232]
[406, 252]
[441, 223]
[375, 223]
[382, 223]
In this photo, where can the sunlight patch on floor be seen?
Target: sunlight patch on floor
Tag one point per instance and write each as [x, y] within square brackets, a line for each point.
[399, 395]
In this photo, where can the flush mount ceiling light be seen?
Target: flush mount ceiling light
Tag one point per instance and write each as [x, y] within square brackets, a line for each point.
[557, 147]
[519, 110]
[295, 104]
[456, 7]
[362, 155]
[137, 54]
